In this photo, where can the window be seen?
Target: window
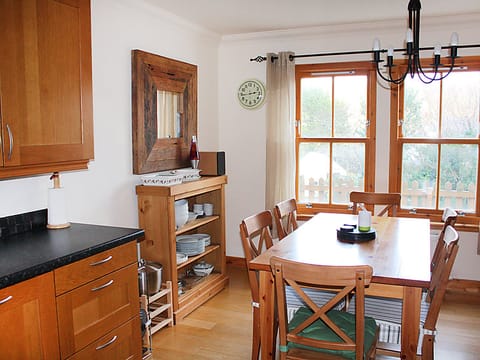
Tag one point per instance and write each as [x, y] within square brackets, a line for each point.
[434, 159]
[335, 142]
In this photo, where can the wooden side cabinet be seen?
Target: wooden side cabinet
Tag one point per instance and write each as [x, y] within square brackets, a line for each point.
[156, 211]
[46, 114]
[29, 323]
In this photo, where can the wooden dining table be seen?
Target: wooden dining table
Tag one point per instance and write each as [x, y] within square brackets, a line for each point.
[399, 256]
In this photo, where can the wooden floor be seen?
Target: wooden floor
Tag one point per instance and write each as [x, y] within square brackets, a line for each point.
[221, 328]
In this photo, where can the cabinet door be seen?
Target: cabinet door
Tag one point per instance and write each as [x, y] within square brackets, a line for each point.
[28, 320]
[45, 82]
[89, 312]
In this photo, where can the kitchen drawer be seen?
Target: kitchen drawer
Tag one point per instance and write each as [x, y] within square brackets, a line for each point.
[123, 342]
[80, 272]
[94, 309]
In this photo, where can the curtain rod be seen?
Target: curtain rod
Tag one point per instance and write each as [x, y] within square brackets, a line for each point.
[260, 58]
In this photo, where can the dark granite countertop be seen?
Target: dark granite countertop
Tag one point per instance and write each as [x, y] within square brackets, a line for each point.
[28, 254]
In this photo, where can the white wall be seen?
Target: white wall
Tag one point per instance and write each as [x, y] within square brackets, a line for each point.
[243, 131]
[105, 194]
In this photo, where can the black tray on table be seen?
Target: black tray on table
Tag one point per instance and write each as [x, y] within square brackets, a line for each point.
[350, 234]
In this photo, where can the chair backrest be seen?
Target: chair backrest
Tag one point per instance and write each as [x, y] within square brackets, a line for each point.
[256, 235]
[370, 199]
[343, 279]
[285, 214]
[441, 275]
[449, 218]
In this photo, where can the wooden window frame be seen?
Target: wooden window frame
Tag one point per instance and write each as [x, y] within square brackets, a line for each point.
[466, 222]
[361, 67]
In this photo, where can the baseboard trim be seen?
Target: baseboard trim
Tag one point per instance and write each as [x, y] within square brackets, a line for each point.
[236, 261]
[464, 286]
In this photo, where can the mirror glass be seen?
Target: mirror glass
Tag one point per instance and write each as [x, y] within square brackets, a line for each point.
[164, 112]
[169, 114]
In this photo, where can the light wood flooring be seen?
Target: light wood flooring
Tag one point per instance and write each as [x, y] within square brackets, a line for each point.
[221, 328]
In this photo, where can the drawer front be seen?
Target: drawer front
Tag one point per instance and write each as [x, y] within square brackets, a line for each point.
[123, 342]
[80, 272]
[89, 312]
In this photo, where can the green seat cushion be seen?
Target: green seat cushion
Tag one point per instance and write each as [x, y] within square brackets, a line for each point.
[318, 330]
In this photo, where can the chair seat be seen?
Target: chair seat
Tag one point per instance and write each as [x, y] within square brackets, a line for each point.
[318, 330]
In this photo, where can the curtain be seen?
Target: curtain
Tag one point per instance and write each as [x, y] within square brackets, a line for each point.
[280, 152]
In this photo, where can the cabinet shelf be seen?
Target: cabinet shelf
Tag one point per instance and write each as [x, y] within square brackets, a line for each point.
[192, 259]
[191, 225]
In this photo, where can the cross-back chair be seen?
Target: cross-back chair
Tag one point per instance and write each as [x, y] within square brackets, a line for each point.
[320, 331]
[432, 300]
[391, 201]
[256, 235]
[449, 217]
[285, 214]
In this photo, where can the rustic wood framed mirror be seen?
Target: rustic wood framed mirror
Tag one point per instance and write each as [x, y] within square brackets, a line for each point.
[164, 112]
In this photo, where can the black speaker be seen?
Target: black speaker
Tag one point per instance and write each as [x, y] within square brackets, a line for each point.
[212, 163]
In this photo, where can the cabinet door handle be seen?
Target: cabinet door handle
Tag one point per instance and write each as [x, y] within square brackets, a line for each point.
[8, 298]
[102, 286]
[111, 341]
[102, 261]
[10, 137]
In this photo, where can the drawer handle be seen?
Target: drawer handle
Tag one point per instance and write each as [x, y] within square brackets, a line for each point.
[103, 286]
[107, 343]
[8, 298]
[102, 261]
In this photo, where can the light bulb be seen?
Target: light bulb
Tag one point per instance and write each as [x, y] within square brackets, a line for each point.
[454, 39]
[437, 50]
[409, 36]
[376, 44]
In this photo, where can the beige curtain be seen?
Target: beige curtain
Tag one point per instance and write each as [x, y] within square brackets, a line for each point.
[280, 160]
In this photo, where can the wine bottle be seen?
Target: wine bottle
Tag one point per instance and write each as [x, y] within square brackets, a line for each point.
[194, 155]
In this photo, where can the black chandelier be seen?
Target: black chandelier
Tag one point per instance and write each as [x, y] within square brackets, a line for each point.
[435, 71]
[412, 52]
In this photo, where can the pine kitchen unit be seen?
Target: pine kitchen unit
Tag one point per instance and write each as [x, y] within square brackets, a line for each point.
[156, 211]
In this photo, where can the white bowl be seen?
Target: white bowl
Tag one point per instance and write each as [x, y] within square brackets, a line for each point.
[202, 269]
[181, 212]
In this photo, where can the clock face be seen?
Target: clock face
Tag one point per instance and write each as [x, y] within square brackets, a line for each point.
[251, 94]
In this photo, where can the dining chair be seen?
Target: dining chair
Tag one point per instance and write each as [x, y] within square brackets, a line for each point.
[285, 214]
[320, 331]
[256, 235]
[391, 201]
[431, 300]
[449, 217]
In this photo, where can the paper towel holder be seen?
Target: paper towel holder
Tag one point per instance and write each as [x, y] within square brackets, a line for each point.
[56, 185]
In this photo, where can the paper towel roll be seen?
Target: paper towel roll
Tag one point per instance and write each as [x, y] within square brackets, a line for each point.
[57, 210]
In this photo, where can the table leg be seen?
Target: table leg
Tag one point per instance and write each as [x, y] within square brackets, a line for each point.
[412, 296]
[267, 302]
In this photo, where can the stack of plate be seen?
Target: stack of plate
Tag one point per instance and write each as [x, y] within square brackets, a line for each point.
[190, 245]
[204, 237]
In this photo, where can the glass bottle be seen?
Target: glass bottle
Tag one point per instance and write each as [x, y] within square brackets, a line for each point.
[194, 155]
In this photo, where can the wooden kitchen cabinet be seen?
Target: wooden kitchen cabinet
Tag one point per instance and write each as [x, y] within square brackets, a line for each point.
[45, 86]
[156, 209]
[28, 325]
[97, 305]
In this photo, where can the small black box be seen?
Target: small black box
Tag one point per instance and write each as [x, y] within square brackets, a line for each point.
[212, 163]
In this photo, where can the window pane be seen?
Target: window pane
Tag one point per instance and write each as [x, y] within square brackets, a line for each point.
[419, 175]
[314, 173]
[348, 171]
[350, 106]
[421, 109]
[316, 105]
[458, 176]
[460, 105]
